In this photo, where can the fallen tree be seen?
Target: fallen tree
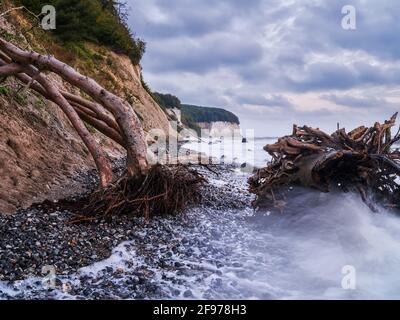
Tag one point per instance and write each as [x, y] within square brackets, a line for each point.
[110, 115]
[362, 160]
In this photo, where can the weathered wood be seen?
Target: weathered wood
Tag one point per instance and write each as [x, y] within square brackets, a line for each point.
[129, 123]
[10, 69]
[100, 158]
[142, 190]
[361, 160]
[108, 113]
[87, 110]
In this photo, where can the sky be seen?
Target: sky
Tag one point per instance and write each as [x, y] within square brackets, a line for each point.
[275, 63]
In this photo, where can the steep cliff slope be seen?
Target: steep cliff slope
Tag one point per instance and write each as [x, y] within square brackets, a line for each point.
[216, 121]
[39, 150]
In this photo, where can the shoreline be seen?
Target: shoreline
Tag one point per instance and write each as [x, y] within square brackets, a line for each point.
[218, 249]
[35, 238]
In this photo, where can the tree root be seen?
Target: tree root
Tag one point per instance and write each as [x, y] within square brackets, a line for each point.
[362, 160]
[164, 190]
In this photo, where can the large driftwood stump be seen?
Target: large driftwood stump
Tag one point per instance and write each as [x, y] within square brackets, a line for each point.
[363, 160]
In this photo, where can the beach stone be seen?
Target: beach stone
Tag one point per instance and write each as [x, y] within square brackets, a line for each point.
[188, 294]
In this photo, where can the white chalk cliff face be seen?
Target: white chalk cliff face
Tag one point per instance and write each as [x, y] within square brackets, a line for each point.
[220, 128]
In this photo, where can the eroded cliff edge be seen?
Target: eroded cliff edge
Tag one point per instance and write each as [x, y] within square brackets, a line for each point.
[40, 152]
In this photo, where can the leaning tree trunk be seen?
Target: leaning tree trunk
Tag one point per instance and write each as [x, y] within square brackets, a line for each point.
[110, 114]
[142, 189]
[361, 160]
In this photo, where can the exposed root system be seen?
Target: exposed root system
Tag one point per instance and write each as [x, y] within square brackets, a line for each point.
[165, 190]
[363, 160]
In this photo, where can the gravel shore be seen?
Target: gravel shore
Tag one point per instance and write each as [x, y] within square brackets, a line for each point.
[35, 238]
[217, 249]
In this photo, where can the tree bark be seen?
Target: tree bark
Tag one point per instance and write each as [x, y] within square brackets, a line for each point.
[131, 129]
[99, 125]
[94, 116]
[10, 69]
[98, 120]
[102, 163]
[361, 159]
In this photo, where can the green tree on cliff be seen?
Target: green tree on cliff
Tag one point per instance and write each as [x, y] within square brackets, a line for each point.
[99, 21]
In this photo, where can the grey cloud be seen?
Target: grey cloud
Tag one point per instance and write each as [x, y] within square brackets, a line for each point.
[218, 50]
[326, 76]
[322, 76]
[270, 46]
[273, 100]
[198, 36]
[377, 33]
[359, 102]
[188, 18]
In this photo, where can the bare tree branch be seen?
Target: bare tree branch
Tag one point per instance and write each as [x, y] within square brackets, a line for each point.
[126, 118]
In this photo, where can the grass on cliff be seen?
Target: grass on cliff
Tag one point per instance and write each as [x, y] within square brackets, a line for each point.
[100, 21]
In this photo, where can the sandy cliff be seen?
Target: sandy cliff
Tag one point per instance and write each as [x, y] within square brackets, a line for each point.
[39, 150]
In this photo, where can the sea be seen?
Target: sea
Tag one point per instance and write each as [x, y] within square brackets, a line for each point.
[329, 246]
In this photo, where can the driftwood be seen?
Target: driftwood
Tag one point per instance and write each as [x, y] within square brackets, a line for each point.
[361, 160]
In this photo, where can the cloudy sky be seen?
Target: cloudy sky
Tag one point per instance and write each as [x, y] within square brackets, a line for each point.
[275, 63]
